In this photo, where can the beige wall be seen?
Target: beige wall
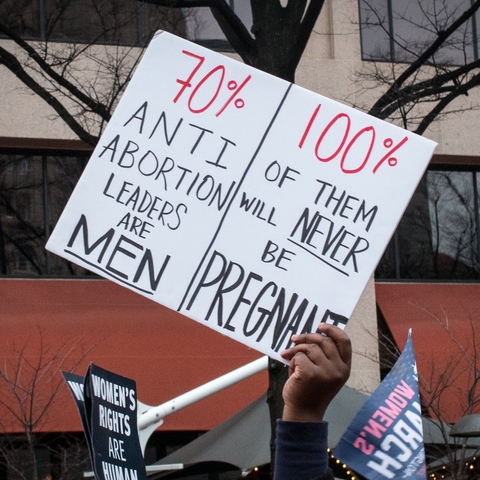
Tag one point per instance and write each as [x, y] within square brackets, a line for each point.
[362, 330]
[22, 114]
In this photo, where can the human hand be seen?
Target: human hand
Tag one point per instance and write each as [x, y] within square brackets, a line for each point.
[319, 367]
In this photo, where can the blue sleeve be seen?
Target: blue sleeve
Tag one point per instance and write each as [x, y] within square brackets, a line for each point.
[301, 450]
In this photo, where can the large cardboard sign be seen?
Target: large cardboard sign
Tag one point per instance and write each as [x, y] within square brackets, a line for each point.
[385, 439]
[249, 204]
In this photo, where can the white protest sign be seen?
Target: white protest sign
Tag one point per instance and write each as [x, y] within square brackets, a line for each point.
[249, 204]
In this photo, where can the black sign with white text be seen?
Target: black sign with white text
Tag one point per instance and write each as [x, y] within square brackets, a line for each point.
[107, 404]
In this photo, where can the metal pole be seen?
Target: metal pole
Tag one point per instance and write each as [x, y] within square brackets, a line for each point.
[156, 414]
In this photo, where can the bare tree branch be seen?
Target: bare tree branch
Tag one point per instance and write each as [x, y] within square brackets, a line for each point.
[10, 61]
[442, 104]
[31, 382]
[91, 104]
[395, 88]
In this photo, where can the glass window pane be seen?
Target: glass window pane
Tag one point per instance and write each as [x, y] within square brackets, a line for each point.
[375, 30]
[62, 174]
[453, 223]
[21, 215]
[33, 193]
[416, 24]
[437, 236]
[109, 21]
[414, 249]
[153, 18]
[203, 28]
[459, 48]
[115, 21]
[387, 267]
[411, 27]
[22, 16]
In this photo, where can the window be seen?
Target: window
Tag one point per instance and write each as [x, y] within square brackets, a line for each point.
[204, 29]
[438, 236]
[96, 21]
[30, 205]
[399, 30]
[114, 21]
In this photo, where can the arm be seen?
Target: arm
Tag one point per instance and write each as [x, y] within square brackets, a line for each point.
[319, 367]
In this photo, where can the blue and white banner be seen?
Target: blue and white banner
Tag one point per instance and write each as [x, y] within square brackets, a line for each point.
[385, 439]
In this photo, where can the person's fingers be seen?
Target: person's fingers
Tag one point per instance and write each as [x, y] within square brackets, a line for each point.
[316, 347]
[341, 339]
[332, 340]
[310, 349]
[298, 363]
[313, 346]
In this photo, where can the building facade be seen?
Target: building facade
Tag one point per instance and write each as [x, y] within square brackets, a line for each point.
[436, 245]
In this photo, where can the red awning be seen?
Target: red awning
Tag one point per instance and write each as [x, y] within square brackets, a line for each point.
[164, 352]
[444, 319]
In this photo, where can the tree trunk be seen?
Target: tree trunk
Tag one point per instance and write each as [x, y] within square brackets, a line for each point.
[277, 376]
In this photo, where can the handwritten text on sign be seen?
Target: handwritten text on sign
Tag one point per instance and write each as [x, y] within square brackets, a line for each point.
[247, 203]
